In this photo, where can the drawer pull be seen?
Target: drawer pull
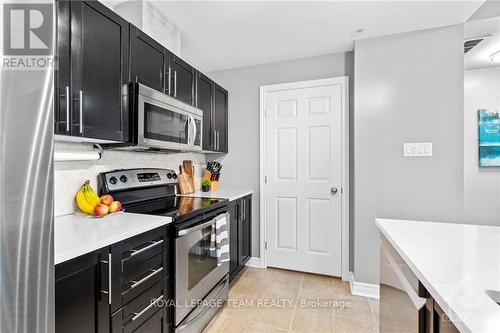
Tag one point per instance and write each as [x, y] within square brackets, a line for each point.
[153, 244]
[138, 314]
[153, 273]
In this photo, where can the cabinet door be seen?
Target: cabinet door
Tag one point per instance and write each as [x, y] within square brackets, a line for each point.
[233, 239]
[245, 230]
[99, 72]
[80, 304]
[183, 80]
[147, 60]
[62, 94]
[220, 119]
[155, 323]
[204, 95]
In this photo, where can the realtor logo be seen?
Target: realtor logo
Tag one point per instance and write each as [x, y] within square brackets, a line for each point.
[27, 29]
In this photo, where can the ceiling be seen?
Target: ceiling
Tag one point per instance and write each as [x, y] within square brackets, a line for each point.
[479, 56]
[220, 35]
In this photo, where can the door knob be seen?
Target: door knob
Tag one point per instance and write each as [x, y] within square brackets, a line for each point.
[334, 190]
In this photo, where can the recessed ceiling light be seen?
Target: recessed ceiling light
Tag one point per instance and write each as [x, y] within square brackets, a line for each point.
[495, 57]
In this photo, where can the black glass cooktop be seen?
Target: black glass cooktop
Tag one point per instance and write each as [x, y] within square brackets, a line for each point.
[180, 208]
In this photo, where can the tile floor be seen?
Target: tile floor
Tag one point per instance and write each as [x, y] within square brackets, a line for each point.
[276, 300]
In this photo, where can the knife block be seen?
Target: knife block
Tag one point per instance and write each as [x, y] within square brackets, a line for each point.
[214, 185]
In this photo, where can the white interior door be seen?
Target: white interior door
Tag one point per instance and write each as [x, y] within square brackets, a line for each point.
[303, 168]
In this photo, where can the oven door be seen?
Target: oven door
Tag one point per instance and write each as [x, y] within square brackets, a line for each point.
[196, 268]
[166, 123]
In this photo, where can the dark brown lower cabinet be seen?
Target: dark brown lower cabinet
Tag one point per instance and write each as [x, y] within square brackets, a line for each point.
[81, 302]
[140, 296]
[240, 234]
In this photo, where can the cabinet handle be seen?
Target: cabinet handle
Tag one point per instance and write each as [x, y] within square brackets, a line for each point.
[169, 81]
[153, 244]
[162, 79]
[218, 140]
[109, 278]
[175, 83]
[144, 279]
[81, 112]
[138, 314]
[67, 108]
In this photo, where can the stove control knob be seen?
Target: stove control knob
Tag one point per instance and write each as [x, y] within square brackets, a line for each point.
[174, 176]
[169, 175]
[123, 178]
[113, 180]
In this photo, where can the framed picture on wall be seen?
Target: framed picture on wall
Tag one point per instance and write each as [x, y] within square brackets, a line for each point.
[489, 138]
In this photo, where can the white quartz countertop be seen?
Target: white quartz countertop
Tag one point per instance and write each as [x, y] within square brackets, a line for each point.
[231, 194]
[457, 264]
[76, 235]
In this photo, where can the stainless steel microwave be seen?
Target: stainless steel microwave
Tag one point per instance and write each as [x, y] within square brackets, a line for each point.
[163, 122]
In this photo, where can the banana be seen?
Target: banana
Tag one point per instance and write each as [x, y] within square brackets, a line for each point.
[90, 194]
[83, 203]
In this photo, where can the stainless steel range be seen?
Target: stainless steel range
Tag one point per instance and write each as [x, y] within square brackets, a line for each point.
[201, 276]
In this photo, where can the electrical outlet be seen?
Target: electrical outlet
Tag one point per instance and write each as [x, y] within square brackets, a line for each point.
[417, 149]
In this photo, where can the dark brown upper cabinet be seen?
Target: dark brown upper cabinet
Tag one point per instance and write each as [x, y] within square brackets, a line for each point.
[153, 65]
[220, 119]
[213, 100]
[183, 76]
[99, 53]
[148, 61]
[204, 100]
[91, 80]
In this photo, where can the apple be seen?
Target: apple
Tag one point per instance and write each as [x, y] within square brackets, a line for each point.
[115, 206]
[101, 210]
[106, 199]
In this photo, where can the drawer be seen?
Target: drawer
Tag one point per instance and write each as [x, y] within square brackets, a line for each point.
[134, 282]
[133, 251]
[143, 314]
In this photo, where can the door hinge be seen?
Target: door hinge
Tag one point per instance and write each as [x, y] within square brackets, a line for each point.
[341, 190]
[265, 245]
[265, 179]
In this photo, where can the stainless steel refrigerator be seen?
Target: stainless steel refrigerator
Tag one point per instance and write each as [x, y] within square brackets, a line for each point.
[26, 194]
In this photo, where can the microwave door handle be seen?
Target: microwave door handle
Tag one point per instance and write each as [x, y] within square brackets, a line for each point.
[186, 128]
[193, 122]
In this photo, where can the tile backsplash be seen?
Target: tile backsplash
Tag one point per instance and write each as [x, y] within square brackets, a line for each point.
[70, 175]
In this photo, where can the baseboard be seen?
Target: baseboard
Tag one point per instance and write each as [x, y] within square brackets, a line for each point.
[364, 289]
[253, 262]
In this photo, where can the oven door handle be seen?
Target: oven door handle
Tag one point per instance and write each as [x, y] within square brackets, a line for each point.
[184, 232]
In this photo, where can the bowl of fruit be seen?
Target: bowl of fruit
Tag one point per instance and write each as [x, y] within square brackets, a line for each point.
[90, 204]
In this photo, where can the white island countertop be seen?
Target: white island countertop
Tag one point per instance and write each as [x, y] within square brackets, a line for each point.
[76, 235]
[457, 263]
[230, 194]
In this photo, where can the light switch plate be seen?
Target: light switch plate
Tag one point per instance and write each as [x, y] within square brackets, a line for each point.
[417, 149]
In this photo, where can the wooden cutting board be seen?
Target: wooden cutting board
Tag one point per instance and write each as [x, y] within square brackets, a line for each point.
[186, 186]
[189, 169]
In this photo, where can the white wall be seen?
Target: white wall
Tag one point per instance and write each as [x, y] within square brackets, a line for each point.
[70, 175]
[409, 88]
[241, 164]
[481, 185]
